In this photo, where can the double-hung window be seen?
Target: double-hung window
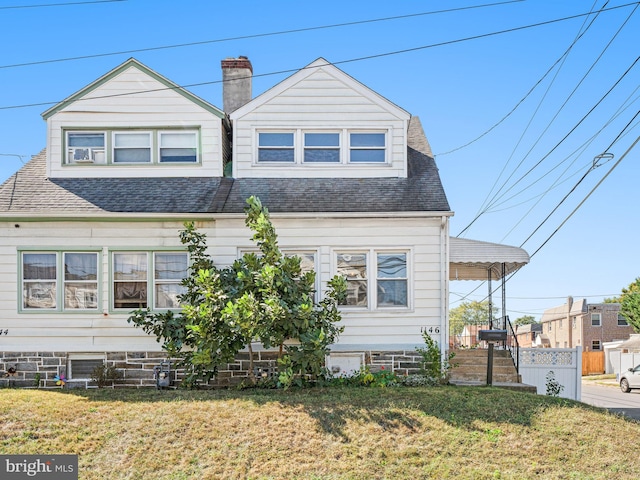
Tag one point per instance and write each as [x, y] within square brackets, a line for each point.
[131, 147]
[148, 279]
[276, 147]
[387, 287]
[367, 148]
[321, 148]
[622, 320]
[595, 320]
[59, 281]
[178, 147]
[86, 147]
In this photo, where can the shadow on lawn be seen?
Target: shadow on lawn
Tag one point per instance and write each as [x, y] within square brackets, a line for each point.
[391, 409]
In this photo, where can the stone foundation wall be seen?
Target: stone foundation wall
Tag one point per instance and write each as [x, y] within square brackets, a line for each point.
[136, 369]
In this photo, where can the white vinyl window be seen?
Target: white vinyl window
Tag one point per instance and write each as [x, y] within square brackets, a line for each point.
[595, 320]
[132, 147]
[50, 285]
[321, 148]
[276, 147]
[388, 288]
[178, 147]
[622, 321]
[85, 147]
[367, 148]
[134, 288]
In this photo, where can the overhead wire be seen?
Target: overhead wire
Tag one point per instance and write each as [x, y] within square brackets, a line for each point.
[59, 4]
[256, 35]
[352, 60]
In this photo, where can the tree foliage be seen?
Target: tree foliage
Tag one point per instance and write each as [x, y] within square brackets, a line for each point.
[263, 298]
[469, 313]
[630, 304]
[525, 320]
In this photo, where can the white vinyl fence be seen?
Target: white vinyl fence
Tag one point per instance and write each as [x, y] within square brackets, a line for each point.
[621, 362]
[547, 366]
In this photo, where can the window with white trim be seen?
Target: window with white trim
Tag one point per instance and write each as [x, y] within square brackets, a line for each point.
[387, 287]
[595, 320]
[367, 148]
[131, 147]
[595, 345]
[318, 147]
[133, 286]
[124, 147]
[276, 147]
[178, 147]
[59, 281]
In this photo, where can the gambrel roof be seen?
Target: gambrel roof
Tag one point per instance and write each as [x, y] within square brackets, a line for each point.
[30, 193]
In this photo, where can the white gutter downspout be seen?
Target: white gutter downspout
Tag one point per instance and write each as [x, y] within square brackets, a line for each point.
[444, 285]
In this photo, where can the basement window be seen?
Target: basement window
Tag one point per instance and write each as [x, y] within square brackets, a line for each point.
[81, 366]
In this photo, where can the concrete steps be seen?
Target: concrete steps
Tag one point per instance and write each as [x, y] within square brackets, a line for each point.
[471, 369]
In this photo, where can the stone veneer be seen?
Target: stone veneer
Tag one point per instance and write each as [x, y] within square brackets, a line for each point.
[39, 369]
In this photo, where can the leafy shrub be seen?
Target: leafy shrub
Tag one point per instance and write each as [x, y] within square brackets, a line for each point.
[434, 368]
[105, 375]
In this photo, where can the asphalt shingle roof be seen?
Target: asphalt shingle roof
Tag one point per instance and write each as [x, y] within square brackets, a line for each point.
[29, 191]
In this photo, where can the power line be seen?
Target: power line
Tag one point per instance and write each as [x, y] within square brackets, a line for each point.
[352, 60]
[60, 4]
[257, 35]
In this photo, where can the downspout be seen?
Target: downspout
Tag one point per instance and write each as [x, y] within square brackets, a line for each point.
[444, 285]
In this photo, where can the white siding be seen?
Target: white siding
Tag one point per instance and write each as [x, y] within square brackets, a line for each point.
[324, 99]
[106, 330]
[157, 107]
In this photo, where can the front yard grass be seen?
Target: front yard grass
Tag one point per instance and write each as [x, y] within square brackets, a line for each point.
[332, 433]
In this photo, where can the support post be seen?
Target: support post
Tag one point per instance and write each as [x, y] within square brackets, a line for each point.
[490, 299]
[490, 364]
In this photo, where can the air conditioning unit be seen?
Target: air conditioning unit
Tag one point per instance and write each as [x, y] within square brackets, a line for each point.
[86, 155]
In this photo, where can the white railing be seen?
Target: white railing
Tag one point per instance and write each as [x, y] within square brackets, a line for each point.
[542, 366]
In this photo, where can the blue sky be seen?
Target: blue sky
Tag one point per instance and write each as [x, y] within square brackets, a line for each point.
[451, 68]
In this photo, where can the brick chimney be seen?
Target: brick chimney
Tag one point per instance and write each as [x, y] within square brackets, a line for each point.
[236, 83]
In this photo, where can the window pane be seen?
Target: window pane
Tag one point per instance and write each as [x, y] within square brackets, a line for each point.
[80, 266]
[80, 295]
[178, 140]
[132, 140]
[276, 155]
[321, 140]
[393, 265]
[167, 295]
[321, 155]
[392, 293]
[367, 139]
[132, 155]
[85, 139]
[178, 155]
[39, 295]
[307, 262]
[39, 266]
[130, 266]
[376, 156]
[275, 139]
[171, 266]
[354, 268]
[130, 294]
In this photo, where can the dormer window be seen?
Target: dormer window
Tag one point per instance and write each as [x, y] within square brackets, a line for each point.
[132, 147]
[366, 147]
[276, 147]
[317, 147]
[321, 147]
[85, 147]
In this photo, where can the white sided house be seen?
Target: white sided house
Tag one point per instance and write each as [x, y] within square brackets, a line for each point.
[90, 225]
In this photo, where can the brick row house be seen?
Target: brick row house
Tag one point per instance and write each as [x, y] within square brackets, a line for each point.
[90, 225]
[586, 325]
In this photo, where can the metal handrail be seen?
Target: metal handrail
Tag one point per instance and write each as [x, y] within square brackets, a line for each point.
[511, 343]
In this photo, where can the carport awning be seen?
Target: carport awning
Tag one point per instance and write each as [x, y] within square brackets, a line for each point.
[472, 259]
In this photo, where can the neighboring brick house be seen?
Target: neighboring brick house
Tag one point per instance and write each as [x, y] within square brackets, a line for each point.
[581, 324]
[529, 335]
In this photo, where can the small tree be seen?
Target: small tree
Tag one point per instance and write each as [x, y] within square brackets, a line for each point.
[262, 297]
[469, 313]
[630, 304]
[525, 320]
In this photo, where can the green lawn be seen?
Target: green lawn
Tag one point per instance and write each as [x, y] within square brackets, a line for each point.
[337, 433]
